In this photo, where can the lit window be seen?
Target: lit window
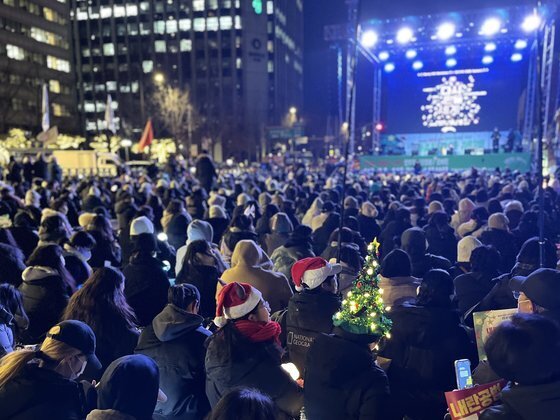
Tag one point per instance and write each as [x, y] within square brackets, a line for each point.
[91, 126]
[270, 46]
[270, 66]
[108, 49]
[270, 7]
[185, 45]
[185, 24]
[54, 86]
[147, 66]
[226, 4]
[226, 23]
[200, 24]
[198, 5]
[58, 64]
[124, 88]
[212, 4]
[160, 46]
[212, 24]
[144, 6]
[105, 12]
[238, 63]
[131, 10]
[144, 28]
[86, 52]
[159, 27]
[120, 11]
[82, 15]
[134, 87]
[171, 26]
[111, 86]
[89, 107]
[237, 22]
[60, 110]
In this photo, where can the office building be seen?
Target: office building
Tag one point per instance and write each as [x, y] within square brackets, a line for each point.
[35, 48]
[241, 59]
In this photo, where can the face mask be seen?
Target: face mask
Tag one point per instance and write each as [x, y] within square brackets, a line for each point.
[75, 374]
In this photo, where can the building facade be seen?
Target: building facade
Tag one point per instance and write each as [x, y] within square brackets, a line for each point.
[241, 59]
[36, 49]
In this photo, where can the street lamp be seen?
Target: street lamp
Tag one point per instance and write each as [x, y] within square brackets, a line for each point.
[159, 78]
[293, 110]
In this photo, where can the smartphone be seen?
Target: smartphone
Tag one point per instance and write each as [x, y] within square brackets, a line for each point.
[463, 373]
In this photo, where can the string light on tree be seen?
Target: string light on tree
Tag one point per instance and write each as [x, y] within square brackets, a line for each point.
[363, 311]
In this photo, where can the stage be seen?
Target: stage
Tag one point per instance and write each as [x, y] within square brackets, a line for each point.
[514, 161]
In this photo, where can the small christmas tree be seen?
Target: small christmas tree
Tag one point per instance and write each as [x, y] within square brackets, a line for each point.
[363, 311]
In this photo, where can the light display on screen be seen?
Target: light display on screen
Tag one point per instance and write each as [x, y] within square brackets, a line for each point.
[451, 104]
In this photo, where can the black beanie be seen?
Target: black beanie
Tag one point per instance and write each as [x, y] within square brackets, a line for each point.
[396, 264]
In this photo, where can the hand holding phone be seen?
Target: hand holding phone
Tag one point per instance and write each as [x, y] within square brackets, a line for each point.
[463, 373]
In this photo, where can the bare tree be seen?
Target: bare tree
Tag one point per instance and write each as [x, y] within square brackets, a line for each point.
[176, 111]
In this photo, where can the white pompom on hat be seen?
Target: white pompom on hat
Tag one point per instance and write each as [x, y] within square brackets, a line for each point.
[310, 273]
[235, 301]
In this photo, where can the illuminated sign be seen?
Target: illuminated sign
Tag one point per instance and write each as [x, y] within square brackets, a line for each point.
[258, 6]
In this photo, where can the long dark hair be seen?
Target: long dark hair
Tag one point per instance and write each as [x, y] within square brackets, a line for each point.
[189, 262]
[51, 256]
[102, 225]
[244, 403]
[101, 304]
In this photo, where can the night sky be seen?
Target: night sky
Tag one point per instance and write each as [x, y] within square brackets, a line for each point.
[320, 64]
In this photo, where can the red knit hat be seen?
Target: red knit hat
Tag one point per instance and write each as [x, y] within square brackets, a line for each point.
[235, 301]
[310, 273]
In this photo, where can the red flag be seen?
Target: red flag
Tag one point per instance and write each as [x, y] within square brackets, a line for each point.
[147, 136]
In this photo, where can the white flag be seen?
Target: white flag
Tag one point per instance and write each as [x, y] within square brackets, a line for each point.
[110, 116]
[46, 120]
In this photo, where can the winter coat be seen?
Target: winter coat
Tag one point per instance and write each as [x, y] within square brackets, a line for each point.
[205, 278]
[25, 238]
[6, 333]
[146, 287]
[176, 230]
[471, 288]
[398, 290]
[424, 344]
[230, 240]
[246, 267]
[11, 261]
[45, 297]
[40, 169]
[205, 171]
[55, 172]
[368, 227]
[272, 241]
[429, 262]
[259, 368]
[76, 266]
[104, 250]
[219, 225]
[441, 242]
[390, 237]
[91, 202]
[286, 256]
[309, 314]
[342, 381]
[37, 393]
[175, 340]
[518, 402]
[505, 243]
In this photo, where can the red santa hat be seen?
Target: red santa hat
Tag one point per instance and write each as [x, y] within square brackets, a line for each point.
[310, 273]
[235, 301]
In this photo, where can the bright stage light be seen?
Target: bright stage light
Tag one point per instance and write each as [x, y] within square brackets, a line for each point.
[487, 59]
[369, 39]
[389, 67]
[490, 47]
[520, 44]
[451, 50]
[445, 31]
[383, 56]
[417, 65]
[405, 35]
[491, 27]
[451, 62]
[515, 57]
[531, 23]
[410, 54]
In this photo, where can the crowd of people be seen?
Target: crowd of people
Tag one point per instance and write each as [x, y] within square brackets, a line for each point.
[208, 294]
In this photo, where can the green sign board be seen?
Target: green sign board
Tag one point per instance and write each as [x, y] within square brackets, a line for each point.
[514, 161]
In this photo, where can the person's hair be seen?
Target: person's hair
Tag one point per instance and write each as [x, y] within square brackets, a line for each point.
[175, 206]
[52, 351]
[51, 256]
[241, 222]
[7, 238]
[485, 259]
[435, 289]
[53, 229]
[101, 304]
[182, 295]
[82, 239]
[244, 404]
[525, 350]
[101, 224]
[10, 298]
[189, 261]
[396, 264]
